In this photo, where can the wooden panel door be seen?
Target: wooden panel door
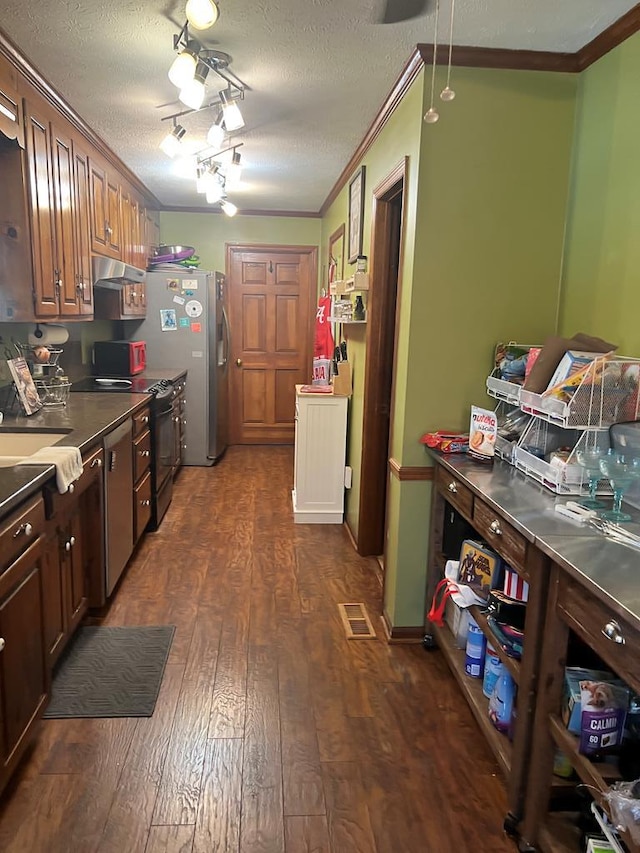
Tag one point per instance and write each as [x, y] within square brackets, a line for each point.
[98, 196]
[271, 318]
[38, 144]
[62, 161]
[82, 206]
[114, 220]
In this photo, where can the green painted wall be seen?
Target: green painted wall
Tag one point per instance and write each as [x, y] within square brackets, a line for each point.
[487, 196]
[600, 286]
[209, 232]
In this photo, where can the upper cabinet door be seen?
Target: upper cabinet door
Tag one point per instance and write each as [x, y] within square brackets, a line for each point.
[40, 182]
[65, 256]
[11, 124]
[98, 198]
[82, 231]
[114, 221]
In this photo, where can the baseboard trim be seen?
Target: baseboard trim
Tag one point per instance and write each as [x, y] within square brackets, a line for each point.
[405, 634]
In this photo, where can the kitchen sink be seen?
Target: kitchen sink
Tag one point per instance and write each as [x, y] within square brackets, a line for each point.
[18, 445]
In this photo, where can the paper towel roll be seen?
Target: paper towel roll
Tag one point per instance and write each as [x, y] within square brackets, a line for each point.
[49, 335]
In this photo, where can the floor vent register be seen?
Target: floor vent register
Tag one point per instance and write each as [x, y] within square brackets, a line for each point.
[357, 624]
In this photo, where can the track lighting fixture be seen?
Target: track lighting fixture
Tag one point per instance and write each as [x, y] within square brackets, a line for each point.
[171, 144]
[184, 66]
[192, 95]
[228, 207]
[202, 14]
[215, 136]
[233, 171]
[231, 111]
[188, 72]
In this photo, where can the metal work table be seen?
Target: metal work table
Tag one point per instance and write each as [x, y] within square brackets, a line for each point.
[610, 570]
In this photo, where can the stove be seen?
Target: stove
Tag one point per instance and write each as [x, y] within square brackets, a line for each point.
[163, 447]
[132, 385]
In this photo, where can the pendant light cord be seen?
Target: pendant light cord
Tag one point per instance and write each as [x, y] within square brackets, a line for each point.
[453, 8]
[435, 53]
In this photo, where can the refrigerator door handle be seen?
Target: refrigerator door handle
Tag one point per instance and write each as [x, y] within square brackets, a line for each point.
[227, 340]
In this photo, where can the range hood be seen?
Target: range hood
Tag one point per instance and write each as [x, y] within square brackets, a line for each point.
[113, 274]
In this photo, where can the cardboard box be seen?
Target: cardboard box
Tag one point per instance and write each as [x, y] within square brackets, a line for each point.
[570, 363]
[480, 568]
[571, 702]
[457, 618]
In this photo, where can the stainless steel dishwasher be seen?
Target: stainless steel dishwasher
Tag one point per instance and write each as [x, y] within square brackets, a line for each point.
[118, 502]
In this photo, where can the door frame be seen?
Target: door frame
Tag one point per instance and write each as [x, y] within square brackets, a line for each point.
[276, 248]
[375, 443]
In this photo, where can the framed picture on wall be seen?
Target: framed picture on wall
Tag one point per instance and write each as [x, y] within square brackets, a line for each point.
[356, 214]
[336, 255]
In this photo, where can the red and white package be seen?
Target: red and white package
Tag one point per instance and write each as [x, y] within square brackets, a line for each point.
[446, 442]
[515, 586]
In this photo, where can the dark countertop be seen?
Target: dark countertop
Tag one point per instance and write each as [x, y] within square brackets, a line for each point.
[87, 417]
[609, 570]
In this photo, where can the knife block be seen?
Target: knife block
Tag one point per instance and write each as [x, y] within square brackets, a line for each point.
[342, 382]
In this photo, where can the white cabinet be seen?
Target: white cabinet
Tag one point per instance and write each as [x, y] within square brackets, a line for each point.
[320, 452]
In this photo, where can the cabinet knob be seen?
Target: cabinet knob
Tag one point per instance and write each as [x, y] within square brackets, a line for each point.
[145, 502]
[26, 529]
[72, 541]
[176, 420]
[97, 463]
[145, 419]
[143, 452]
[612, 631]
[452, 488]
[72, 488]
[494, 527]
[67, 545]
[2, 644]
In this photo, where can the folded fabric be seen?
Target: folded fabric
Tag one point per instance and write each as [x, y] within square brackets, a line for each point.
[68, 462]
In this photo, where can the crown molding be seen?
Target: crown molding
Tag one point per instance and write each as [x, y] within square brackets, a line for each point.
[466, 56]
[42, 86]
[619, 31]
[295, 214]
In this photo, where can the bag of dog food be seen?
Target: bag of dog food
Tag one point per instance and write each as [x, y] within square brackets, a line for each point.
[604, 710]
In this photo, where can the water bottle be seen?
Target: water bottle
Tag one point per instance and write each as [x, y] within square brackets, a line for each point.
[474, 653]
[492, 670]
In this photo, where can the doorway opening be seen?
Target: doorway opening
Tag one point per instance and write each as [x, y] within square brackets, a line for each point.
[386, 263]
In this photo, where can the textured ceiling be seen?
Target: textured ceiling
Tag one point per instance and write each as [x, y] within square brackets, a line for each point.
[317, 73]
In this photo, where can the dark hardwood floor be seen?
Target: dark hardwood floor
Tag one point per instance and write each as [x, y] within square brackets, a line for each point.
[272, 732]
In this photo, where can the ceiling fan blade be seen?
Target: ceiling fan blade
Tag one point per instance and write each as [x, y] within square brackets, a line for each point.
[403, 10]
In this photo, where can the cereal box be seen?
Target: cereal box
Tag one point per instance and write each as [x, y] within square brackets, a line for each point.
[482, 434]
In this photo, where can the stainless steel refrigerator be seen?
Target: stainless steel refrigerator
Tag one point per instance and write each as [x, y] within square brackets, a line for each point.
[186, 326]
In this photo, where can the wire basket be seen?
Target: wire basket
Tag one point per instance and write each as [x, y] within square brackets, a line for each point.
[27, 352]
[51, 392]
[606, 393]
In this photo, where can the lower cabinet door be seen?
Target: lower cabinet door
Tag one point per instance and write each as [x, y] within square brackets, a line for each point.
[22, 670]
[54, 594]
[141, 506]
[75, 577]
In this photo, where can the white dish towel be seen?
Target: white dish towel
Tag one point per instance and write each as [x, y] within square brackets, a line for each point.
[68, 462]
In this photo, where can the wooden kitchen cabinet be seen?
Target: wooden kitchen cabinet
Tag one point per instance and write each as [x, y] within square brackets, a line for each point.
[106, 214]
[82, 230]
[74, 561]
[58, 194]
[11, 124]
[126, 303]
[23, 684]
[141, 473]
